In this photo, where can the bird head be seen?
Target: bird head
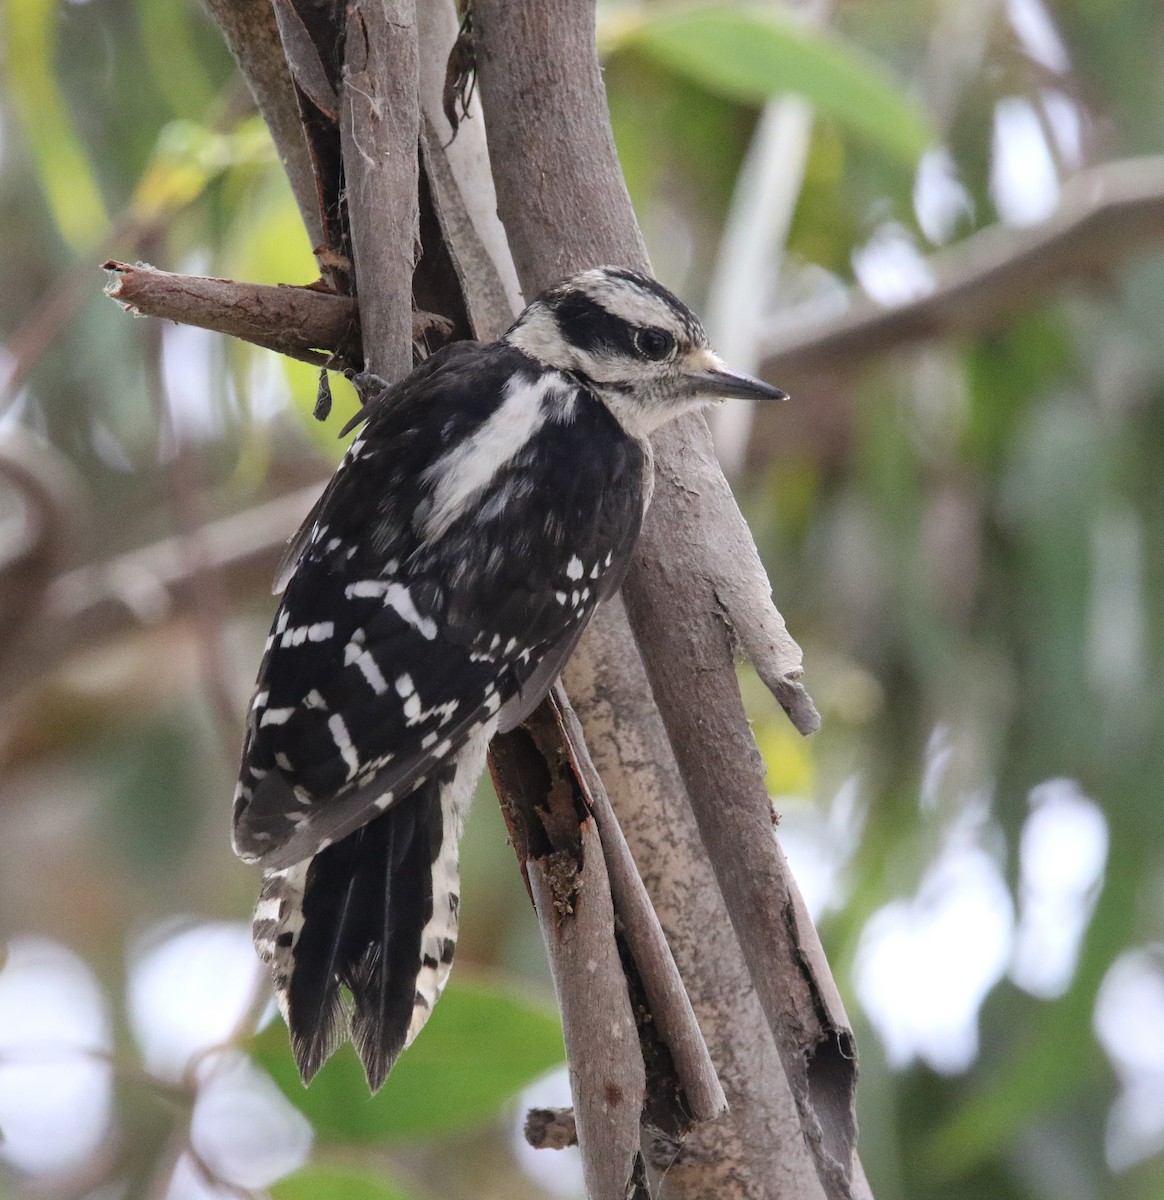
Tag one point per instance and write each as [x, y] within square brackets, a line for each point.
[634, 344]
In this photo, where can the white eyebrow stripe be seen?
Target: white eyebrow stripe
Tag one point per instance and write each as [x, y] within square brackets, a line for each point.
[468, 468]
[630, 301]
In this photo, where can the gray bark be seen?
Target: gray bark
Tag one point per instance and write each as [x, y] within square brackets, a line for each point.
[754, 1151]
[563, 201]
[380, 136]
[607, 1076]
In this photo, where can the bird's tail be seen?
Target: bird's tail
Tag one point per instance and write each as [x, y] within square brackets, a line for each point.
[375, 914]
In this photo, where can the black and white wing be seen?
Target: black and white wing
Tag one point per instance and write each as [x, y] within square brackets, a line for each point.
[394, 644]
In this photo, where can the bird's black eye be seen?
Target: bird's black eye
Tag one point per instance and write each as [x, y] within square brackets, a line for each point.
[654, 343]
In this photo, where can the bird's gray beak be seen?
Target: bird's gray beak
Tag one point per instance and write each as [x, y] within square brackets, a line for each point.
[717, 380]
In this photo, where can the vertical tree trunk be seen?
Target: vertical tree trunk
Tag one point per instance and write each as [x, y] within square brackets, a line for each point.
[564, 204]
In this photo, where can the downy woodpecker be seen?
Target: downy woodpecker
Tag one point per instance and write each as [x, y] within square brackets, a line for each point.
[491, 502]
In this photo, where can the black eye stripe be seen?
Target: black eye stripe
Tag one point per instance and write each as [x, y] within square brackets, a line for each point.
[586, 324]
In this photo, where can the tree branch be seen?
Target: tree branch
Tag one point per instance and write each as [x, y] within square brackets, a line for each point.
[380, 136]
[144, 588]
[669, 1003]
[1106, 216]
[34, 554]
[607, 1076]
[459, 174]
[756, 1150]
[565, 206]
[561, 857]
[305, 323]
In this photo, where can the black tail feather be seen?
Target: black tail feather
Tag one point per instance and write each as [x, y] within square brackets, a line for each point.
[366, 903]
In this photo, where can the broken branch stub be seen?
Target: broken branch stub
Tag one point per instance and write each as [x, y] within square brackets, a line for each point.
[307, 323]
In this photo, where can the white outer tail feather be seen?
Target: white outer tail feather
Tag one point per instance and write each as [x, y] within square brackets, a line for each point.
[441, 928]
[280, 906]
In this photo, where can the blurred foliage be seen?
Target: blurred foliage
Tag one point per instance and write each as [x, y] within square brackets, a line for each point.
[484, 1047]
[330, 1183]
[751, 54]
[967, 538]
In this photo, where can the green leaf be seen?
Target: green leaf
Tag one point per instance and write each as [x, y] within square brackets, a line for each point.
[61, 162]
[480, 1047]
[335, 1183]
[753, 54]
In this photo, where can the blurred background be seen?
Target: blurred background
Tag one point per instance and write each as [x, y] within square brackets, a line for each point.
[966, 534]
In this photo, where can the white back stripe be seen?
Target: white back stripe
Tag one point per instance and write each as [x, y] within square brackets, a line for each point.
[458, 475]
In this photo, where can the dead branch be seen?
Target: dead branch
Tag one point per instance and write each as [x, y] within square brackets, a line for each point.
[561, 857]
[307, 323]
[1107, 215]
[549, 790]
